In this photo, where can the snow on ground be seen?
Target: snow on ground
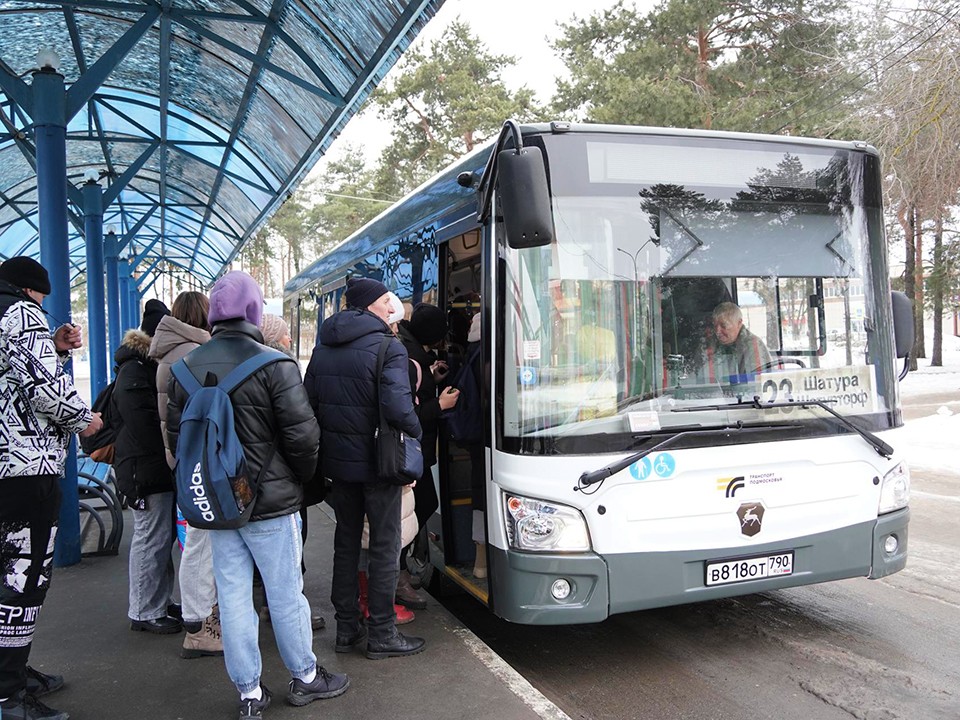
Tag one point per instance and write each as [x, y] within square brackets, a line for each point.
[930, 442]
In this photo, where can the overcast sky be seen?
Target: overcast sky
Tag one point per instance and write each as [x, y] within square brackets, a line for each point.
[508, 27]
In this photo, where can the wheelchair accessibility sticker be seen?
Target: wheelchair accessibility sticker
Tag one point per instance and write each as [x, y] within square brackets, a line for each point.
[528, 375]
[660, 468]
[664, 465]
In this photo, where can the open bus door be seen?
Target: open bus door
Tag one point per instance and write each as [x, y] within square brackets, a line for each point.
[461, 465]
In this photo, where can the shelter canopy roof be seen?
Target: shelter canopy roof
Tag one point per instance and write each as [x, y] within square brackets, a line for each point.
[201, 116]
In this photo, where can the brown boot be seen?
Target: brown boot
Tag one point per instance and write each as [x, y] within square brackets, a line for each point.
[206, 641]
[406, 595]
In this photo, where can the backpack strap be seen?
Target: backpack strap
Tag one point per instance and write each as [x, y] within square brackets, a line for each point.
[248, 367]
[186, 379]
[233, 378]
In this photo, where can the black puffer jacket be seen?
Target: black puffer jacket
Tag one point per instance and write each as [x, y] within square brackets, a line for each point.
[269, 404]
[140, 462]
[428, 409]
[340, 382]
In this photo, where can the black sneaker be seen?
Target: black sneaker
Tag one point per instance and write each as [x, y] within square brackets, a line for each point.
[26, 707]
[325, 685]
[252, 708]
[39, 683]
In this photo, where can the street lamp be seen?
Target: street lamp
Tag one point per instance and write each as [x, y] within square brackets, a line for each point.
[48, 60]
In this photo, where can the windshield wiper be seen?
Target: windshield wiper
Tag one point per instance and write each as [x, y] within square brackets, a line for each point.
[879, 445]
[594, 476]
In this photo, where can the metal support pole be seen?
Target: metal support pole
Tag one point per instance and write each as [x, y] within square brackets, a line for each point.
[96, 315]
[125, 312]
[112, 253]
[50, 125]
[134, 303]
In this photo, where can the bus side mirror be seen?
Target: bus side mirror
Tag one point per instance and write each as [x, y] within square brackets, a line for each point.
[524, 198]
[903, 330]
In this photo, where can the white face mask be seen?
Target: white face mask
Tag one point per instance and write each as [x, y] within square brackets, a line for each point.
[397, 313]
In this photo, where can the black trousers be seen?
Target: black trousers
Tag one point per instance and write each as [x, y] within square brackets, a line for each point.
[380, 502]
[29, 511]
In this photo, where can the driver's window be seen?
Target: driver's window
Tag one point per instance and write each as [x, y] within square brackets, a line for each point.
[757, 299]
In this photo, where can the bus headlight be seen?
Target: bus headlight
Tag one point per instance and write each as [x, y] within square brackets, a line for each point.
[539, 526]
[895, 490]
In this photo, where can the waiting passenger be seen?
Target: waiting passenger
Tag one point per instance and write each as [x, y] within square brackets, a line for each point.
[276, 428]
[344, 390]
[179, 333]
[735, 351]
[144, 476]
[421, 335]
[40, 411]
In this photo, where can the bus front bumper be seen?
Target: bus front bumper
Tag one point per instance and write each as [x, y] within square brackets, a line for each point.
[601, 586]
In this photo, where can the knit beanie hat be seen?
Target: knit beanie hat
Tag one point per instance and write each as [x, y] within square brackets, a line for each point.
[25, 272]
[362, 292]
[274, 328]
[236, 296]
[398, 311]
[428, 324]
[153, 313]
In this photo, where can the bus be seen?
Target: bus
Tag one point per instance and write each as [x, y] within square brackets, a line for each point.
[624, 467]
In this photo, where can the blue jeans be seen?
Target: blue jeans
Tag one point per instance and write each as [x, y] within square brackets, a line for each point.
[276, 548]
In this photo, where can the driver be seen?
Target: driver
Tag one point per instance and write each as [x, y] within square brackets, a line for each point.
[734, 350]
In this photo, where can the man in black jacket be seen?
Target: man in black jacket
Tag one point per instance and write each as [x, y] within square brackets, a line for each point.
[343, 386]
[275, 426]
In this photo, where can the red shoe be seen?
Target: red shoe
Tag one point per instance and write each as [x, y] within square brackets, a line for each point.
[403, 615]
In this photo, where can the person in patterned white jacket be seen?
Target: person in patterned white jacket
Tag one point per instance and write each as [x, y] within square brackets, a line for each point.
[39, 410]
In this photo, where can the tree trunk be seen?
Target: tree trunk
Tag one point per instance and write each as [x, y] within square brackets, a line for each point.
[938, 275]
[920, 346]
[907, 217]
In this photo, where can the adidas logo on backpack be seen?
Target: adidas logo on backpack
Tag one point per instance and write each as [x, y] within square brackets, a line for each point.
[214, 489]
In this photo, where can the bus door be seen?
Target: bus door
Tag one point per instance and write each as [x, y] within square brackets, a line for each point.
[462, 470]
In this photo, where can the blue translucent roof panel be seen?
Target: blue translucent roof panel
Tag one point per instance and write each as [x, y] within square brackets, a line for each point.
[211, 111]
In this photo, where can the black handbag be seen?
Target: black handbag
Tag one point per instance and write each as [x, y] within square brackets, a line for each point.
[399, 456]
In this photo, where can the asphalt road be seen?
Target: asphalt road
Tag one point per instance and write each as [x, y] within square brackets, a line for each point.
[874, 650]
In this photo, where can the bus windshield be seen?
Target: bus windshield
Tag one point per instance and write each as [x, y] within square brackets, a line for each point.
[690, 273]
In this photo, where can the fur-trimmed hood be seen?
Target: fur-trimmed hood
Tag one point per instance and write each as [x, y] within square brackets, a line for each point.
[135, 346]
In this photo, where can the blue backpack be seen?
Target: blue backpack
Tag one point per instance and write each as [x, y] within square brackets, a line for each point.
[465, 419]
[214, 490]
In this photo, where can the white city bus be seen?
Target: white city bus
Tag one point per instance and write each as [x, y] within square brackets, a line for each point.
[624, 466]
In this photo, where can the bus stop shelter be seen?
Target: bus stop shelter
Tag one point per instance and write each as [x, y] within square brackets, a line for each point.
[178, 126]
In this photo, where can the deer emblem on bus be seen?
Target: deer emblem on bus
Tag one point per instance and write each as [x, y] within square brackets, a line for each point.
[751, 518]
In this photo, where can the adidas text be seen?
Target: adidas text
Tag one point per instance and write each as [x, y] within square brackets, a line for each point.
[200, 494]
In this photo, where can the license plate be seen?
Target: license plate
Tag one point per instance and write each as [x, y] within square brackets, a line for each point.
[751, 568]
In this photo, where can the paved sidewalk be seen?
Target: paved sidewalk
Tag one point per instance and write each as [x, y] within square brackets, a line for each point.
[113, 673]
